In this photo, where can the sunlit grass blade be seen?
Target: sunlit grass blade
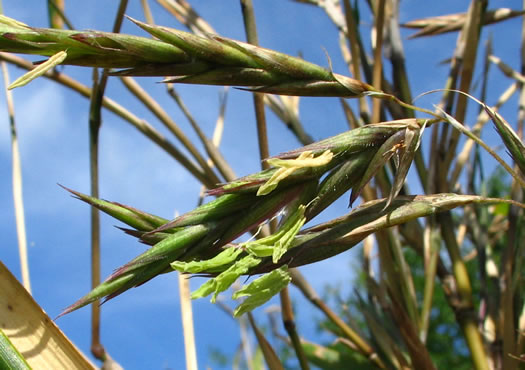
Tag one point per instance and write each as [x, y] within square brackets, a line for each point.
[279, 242]
[10, 357]
[217, 263]
[287, 167]
[226, 278]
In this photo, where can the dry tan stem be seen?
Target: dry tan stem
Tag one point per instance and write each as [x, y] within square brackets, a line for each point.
[147, 12]
[59, 18]
[185, 14]
[351, 29]
[187, 322]
[469, 44]
[17, 185]
[507, 70]
[378, 60]
[184, 287]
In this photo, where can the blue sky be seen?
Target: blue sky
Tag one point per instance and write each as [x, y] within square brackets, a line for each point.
[141, 328]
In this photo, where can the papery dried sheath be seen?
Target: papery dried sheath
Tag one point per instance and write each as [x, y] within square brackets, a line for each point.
[454, 22]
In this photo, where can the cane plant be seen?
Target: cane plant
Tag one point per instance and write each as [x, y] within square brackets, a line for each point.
[253, 226]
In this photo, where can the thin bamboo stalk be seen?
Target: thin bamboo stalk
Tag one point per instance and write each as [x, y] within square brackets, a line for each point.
[95, 122]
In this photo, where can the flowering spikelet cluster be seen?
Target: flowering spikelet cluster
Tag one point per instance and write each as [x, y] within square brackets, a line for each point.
[203, 241]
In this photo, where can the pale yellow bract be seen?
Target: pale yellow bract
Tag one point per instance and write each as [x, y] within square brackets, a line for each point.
[39, 70]
[288, 166]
